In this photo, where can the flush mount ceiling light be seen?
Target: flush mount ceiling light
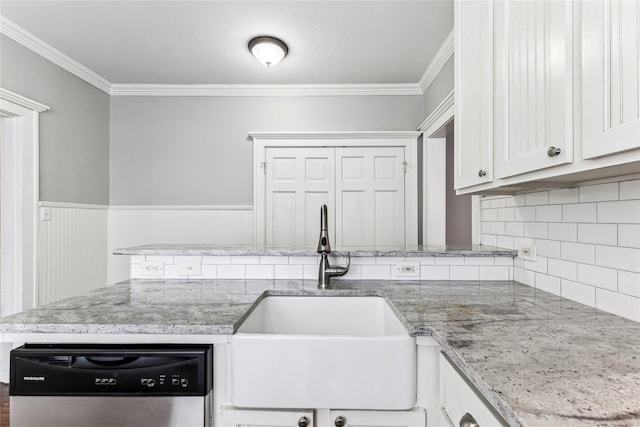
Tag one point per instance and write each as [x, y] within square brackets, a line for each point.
[268, 50]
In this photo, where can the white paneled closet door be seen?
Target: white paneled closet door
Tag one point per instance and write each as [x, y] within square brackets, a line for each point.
[370, 197]
[298, 182]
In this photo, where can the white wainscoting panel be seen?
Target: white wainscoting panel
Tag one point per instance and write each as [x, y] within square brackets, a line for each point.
[72, 250]
[140, 225]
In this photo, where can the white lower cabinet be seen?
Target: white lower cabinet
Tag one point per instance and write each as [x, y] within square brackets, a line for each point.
[234, 417]
[461, 402]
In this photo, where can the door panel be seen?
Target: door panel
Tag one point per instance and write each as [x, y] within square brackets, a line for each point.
[298, 182]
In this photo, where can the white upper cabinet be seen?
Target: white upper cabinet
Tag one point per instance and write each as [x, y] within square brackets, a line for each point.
[473, 131]
[610, 77]
[533, 119]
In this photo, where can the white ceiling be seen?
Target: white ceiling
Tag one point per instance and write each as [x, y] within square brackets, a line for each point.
[205, 42]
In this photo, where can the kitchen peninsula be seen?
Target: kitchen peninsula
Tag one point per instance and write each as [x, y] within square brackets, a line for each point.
[539, 359]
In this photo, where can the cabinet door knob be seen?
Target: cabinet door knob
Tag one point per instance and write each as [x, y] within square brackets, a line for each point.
[303, 422]
[553, 151]
[340, 422]
[468, 421]
[482, 173]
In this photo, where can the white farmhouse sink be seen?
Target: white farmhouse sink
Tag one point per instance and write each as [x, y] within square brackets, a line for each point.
[323, 352]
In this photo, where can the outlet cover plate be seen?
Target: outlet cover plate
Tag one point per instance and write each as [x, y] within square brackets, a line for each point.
[189, 268]
[527, 252]
[406, 269]
[152, 268]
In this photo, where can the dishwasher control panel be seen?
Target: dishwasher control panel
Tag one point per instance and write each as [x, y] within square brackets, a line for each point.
[164, 370]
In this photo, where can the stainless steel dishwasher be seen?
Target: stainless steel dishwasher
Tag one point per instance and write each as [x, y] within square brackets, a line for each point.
[111, 385]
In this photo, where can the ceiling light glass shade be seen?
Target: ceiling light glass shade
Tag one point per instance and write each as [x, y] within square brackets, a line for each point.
[268, 50]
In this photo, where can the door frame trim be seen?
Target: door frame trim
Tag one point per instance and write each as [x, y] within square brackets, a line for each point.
[406, 139]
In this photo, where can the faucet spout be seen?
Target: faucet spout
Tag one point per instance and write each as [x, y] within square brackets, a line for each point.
[326, 270]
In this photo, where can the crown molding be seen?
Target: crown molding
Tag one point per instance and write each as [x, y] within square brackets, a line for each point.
[437, 112]
[401, 89]
[437, 63]
[28, 40]
[7, 95]
[335, 135]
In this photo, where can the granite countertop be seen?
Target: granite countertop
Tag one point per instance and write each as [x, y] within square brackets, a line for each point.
[540, 359]
[212, 250]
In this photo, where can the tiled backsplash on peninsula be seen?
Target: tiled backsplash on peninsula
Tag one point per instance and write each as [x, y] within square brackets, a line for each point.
[587, 241]
[306, 267]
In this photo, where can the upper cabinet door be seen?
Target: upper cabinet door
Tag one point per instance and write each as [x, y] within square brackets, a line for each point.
[610, 77]
[473, 132]
[533, 85]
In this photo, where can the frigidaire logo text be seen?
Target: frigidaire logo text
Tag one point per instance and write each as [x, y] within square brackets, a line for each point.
[33, 378]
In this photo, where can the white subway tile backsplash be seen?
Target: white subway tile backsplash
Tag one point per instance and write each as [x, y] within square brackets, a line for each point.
[261, 271]
[434, 272]
[603, 234]
[548, 248]
[467, 272]
[227, 271]
[450, 260]
[629, 235]
[245, 260]
[623, 211]
[630, 189]
[539, 198]
[274, 260]
[499, 202]
[490, 215]
[505, 242]
[629, 283]
[524, 276]
[389, 260]
[376, 272]
[584, 294]
[582, 212]
[506, 214]
[535, 230]
[627, 259]
[514, 229]
[599, 192]
[515, 200]
[479, 260]
[354, 273]
[579, 252]
[525, 214]
[563, 195]
[427, 260]
[539, 265]
[495, 272]
[304, 260]
[209, 271]
[289, 271]
[216, 260]
[165, 259]
[548, 283]
[564, 269]
[136, 259]
[600, 277]
[363, 260]
[549, 213]
[620, 304]
[485, 203]
[493, 227]
[489, 240]
[563, 231]
[310, 272]
[503, 260]
[135, 271]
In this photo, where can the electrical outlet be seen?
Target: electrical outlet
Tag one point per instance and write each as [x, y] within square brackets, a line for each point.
[527, 252]
[189, 268]
[406, 269]
[152, 268]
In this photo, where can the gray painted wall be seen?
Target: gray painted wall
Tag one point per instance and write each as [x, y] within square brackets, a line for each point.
[194, 151]
[458, 207]
[441, 86]
[74, 134]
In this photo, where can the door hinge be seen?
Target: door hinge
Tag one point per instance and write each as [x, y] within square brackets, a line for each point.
[404, 166]
[263, 165]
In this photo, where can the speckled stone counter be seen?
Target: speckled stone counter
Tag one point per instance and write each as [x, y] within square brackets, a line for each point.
[540, 359]
[211, 250]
